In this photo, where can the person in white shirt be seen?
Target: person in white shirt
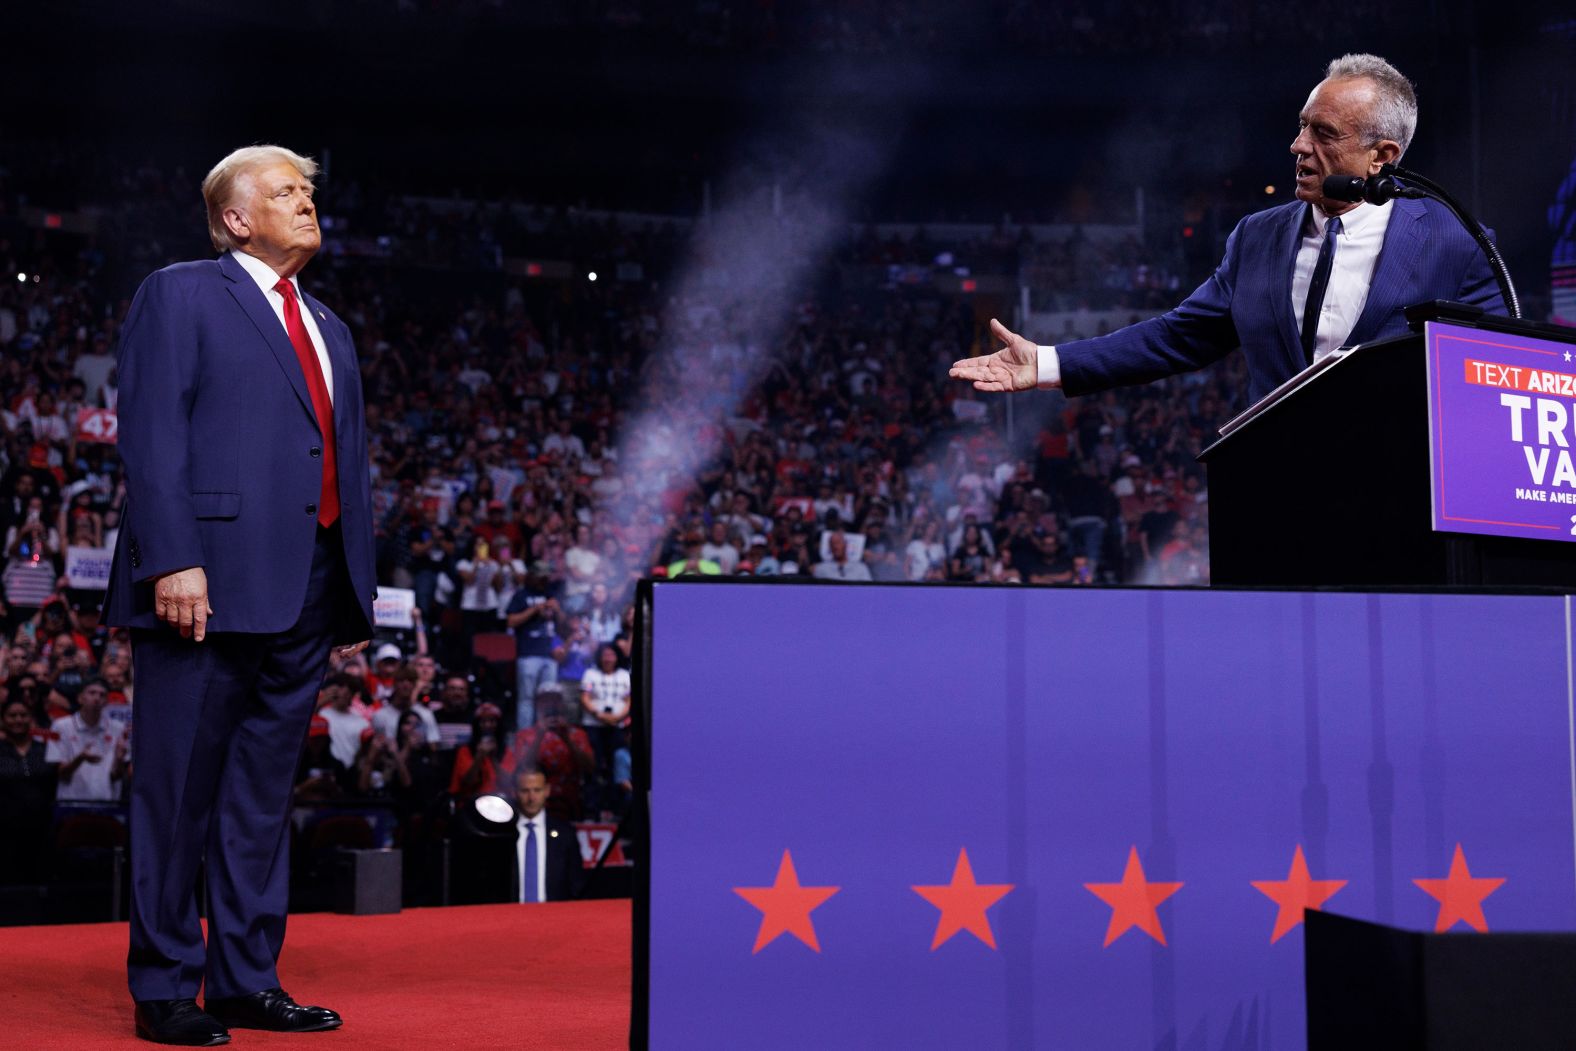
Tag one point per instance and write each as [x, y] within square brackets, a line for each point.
[839, 566]
[402, 699]
[91, 750]
[344, 726]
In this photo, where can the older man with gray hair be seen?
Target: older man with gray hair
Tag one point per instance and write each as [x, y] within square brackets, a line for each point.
[1298, 280]
[244, 557]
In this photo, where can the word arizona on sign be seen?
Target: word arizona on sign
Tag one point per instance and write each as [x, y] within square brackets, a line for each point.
[1502, 429]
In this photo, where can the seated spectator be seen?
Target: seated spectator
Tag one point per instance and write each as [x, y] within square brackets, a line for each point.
[319, 776]
[91, 750]
[561, 751]
[344, 725]
[971, 558]
[478, 763]
[424, 774]
[838, 566]
[720, 548]
[27, 795]
[378, 770]
[453, 712]
[694, 562]
[402, 701]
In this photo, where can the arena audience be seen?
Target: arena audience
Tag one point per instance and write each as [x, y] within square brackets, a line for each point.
[513, 497]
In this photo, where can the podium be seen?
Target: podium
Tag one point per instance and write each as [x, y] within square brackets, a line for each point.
[1326, 482]
[1371, 985]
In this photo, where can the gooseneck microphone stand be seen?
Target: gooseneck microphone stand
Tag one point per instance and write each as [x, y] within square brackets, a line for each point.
[1385, 186]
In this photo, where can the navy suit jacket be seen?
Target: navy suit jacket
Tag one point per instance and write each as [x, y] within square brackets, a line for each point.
[1247, 301]
[565, 869]
[223, 455]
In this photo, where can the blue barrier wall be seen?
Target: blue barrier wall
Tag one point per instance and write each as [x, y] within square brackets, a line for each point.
[863, 738]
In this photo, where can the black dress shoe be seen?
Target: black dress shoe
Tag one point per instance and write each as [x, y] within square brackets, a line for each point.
[270, 1009]
[179, 1022]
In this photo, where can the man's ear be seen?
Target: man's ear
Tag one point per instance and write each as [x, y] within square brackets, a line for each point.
[1385, 151]
[237, 223]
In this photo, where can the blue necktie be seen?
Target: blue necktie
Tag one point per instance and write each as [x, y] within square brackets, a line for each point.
[529, 875]
[1321, 281]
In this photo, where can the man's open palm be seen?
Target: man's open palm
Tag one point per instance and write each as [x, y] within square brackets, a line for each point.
[1012, 368]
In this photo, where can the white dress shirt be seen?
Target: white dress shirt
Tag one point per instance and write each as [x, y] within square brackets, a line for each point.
[1351, 274]
[266, 279]
[1351, 271]
[539, 822]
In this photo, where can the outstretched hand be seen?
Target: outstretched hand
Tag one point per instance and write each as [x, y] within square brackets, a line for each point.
[1014, 367]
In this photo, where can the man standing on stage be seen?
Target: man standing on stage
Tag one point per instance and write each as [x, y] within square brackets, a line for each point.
[244, 556]
[1298, 280]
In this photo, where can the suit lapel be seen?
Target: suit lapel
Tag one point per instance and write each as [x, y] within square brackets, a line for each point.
[1283, 258]
[1394, 274]
[251, 300]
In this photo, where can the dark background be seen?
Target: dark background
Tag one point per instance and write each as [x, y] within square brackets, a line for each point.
[965, 110]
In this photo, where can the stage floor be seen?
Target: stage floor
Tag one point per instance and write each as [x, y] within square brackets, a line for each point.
[507, 976]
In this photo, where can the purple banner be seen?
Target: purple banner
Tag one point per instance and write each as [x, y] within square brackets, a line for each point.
[1502, 413]
[937, 817]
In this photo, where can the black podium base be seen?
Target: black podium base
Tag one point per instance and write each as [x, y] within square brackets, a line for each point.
[1371, 986]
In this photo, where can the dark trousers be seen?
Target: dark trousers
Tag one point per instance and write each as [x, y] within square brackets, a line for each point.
[217, 730]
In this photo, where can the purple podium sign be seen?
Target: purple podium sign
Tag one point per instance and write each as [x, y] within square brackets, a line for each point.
[1501, 415]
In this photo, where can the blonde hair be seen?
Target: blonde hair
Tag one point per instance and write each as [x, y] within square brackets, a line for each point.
[218, 188]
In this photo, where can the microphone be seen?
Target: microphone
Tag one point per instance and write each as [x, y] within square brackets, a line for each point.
[1344, 187]
[1377, 190]
[1384, 187]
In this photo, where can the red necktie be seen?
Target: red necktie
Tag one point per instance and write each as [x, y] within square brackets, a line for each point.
[328, 502]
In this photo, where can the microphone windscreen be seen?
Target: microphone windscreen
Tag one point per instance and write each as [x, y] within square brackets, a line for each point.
[1344, 187]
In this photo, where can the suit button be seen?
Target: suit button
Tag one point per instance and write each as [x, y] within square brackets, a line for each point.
[315, 451]
[311, 509]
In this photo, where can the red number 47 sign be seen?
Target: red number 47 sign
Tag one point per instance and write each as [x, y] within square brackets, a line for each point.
[96, 425]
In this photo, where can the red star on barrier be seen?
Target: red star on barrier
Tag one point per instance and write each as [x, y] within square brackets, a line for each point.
[1296, 893]
[786, 906]
[1460, 895]
[963, 903]
[1133, 901]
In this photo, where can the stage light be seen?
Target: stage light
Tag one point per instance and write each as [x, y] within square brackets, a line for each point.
[21, 277]
[1268, 190]
[591, 276]
[495, 809]
[37, 278]
[1187, 231]
[486, 816]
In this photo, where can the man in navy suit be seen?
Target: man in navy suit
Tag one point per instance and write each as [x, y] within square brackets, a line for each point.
[244, 557]
[1358, 265]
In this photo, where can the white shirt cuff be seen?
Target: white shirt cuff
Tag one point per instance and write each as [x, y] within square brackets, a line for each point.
[1050, 368]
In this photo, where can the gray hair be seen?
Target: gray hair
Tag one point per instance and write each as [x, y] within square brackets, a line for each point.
[1394, 112]
[219, 187]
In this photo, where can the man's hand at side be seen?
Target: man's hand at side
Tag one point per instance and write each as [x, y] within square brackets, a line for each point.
[180, 599]
[1014, 367]
[344, 653]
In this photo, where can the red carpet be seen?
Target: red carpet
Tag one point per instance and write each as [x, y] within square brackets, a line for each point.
[550, 976]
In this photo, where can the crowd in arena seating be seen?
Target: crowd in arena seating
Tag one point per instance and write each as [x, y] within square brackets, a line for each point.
[519, 501]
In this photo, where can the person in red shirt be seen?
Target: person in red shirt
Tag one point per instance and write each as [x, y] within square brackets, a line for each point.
[561, 751]
[484, 763]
